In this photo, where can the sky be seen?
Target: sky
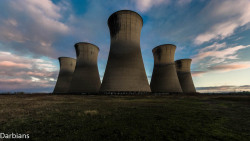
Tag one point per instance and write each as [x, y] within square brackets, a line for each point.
[215, 34]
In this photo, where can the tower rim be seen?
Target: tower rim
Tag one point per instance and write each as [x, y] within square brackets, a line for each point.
[160, 46]
[85, 43]
[65, 57]
[185, 59]
[125, 10]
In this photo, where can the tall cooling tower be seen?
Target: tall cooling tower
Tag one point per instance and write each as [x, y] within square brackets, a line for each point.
[67, 67]
[184, 75]
[86, 77]
[125, 70]
[164, 78]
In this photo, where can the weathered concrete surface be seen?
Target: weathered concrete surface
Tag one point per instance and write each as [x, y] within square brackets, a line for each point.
[86, 77]
[184, 75]
[164, 78]
[125, 70]
[67, 67]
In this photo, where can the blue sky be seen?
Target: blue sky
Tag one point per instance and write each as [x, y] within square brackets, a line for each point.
[215, 34]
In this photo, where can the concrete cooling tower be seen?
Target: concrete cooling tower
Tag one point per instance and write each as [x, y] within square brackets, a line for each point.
[184, 75]
[86, 77]
[67, 67]
[164, 78]
[125, 72]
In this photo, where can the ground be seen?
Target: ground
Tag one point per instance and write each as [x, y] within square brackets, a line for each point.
[155, 117]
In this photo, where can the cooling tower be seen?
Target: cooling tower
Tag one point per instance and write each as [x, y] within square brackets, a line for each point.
[125, 72]
[184, 75]
[86, 77]
[67, 67]
[164, 78]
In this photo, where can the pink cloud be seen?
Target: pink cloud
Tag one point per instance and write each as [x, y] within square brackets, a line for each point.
[197, 73]
[18, 72]
[231, 67]
[15, 80]
[223, 68]
[35, 73]
[18, 83]
[221, 89]
[14, 65]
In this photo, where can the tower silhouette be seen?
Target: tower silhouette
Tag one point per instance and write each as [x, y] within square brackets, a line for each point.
[184, 75]
[125, 70]
[164, 78]
[67, 67]
[86, 77]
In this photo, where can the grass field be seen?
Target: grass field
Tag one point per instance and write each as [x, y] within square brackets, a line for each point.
[89, 117]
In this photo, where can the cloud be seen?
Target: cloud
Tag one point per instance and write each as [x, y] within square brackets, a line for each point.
[221, 68]
[31, 25]
[145, 5]
[229, 15]
[13, 64]
[7, 85]
[197, 73]
[215, 46]
[229, 67]
[223, 89]
[183, 2]
[24, 73]
[218, 52]
[218, 57]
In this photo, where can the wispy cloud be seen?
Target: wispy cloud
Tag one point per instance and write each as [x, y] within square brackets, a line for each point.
[197, 73]
[214, 47]
[231, 66]
[219, 57]
[145, 5]
[218, 52]
[221, 89]
[221, 68]
[229, 15]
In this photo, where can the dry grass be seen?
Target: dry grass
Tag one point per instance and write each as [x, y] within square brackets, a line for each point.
[88, 117]
[91, 112]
